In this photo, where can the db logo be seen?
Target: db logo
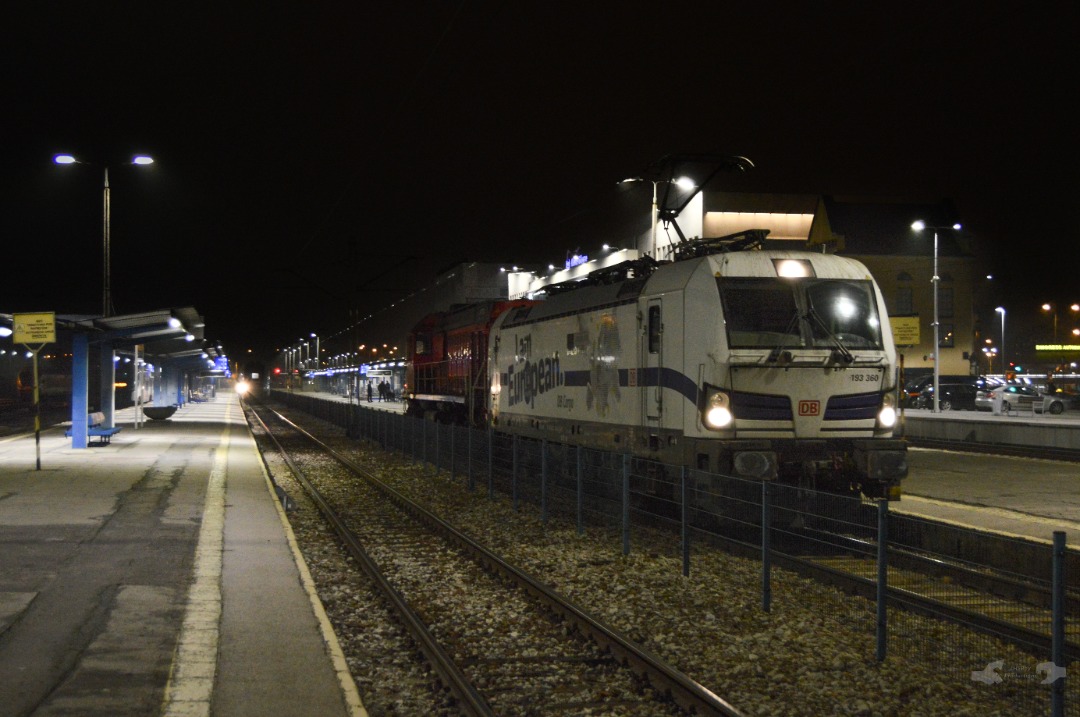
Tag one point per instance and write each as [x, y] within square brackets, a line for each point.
[809, 408]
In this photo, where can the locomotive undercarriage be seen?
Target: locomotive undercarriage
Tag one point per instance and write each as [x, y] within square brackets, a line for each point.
[871, 467]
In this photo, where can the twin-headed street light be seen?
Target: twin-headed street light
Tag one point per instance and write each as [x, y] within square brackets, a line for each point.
[918, 226]
[1051, 308]
[106, 299]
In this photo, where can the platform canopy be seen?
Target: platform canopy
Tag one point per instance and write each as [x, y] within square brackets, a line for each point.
[166, 335]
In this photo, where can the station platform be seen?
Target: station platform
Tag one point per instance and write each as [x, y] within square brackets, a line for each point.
[157, 575]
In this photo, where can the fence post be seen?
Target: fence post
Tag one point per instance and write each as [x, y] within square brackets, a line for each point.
[543, 481]
[513, 473]
[438, 456]
[580, 493]
[626, 504]
[685, 523]
[468, 461]
[491, 462]
[882, 578]
[1057, 629]
[766, 546]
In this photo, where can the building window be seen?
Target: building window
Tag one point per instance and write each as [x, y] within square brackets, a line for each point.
[945, 302]
[946, 336]
[905, 301]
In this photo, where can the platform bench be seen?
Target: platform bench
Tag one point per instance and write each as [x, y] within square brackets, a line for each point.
[94, 429]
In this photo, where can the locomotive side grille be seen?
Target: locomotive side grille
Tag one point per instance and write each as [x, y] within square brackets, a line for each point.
[761, 406]
[855, 407]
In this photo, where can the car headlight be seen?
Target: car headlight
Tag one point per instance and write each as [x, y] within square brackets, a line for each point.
[886, 417]
[718, 410]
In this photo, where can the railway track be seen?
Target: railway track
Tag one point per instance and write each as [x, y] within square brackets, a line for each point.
[999, 449]
[544, 655]
[1007, 607]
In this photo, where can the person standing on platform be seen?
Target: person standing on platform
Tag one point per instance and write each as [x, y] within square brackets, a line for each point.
[369, 392]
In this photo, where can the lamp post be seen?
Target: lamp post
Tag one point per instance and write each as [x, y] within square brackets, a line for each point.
[1052, 310]
[106, 299]
[316, 337]
[918, 225]
[1004, 361]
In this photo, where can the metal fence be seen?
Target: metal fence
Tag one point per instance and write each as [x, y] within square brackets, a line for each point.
[994, 609]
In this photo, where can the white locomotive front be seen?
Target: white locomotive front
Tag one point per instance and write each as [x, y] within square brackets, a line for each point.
[754, 363]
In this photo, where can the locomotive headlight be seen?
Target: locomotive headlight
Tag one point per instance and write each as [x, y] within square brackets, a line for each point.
[496, 384]
[718, 410]
[887, 415]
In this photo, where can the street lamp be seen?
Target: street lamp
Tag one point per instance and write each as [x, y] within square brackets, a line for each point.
[315, 336]
[106, 298]
[1001, 310]
[1051, 308]
[918, 225]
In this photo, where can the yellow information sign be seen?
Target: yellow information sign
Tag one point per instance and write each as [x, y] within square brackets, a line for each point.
[39, 328]
[905, 330]
[1058, 348]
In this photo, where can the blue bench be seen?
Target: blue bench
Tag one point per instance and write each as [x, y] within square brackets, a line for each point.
[94, 429]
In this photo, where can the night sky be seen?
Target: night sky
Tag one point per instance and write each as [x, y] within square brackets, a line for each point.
[315, 157]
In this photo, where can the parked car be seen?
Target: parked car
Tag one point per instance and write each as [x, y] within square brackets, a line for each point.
[958, 392]
[909, 397]
[1014, 397]
[912, 395]
[953, 396]
[1059, 402]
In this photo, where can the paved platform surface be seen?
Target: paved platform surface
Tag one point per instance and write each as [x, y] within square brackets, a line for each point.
[157, 576]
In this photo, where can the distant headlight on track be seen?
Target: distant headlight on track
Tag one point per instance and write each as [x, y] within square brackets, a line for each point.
[887, 415]
[718, 410]
[242, 387]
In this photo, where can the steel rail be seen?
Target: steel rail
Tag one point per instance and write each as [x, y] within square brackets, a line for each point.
[685, 691]
[470, 700]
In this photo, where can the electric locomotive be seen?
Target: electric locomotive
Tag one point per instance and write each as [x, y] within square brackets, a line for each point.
[766, 364]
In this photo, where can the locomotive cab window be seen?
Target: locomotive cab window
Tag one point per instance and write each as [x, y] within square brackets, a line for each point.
[423, 345]
[800, 313]
[654, 329]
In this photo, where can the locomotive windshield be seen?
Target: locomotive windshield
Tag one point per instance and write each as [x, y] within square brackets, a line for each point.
[804, 313]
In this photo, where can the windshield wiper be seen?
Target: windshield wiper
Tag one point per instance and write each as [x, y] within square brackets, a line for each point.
[778, 351]
[840, 348]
